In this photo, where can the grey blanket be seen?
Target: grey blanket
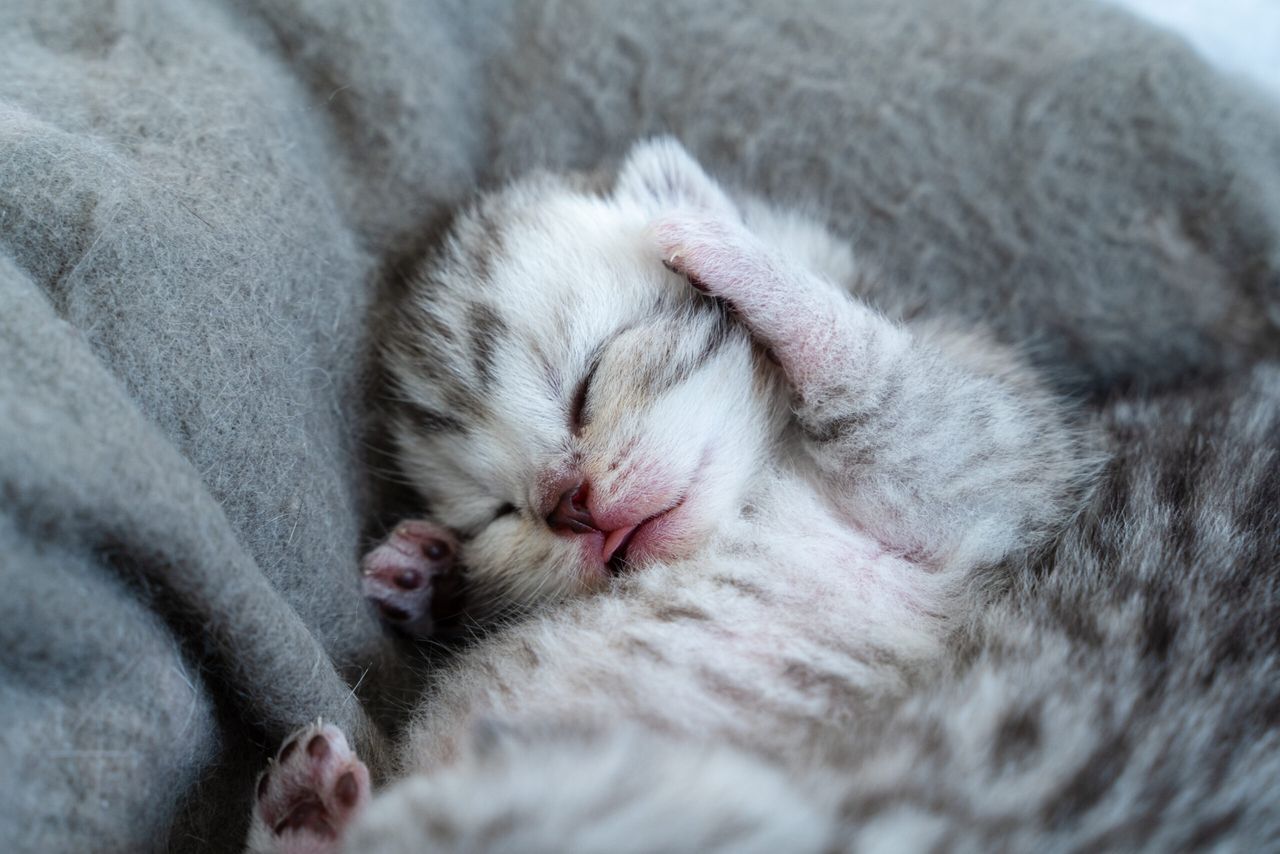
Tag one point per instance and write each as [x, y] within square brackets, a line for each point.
[201, 201]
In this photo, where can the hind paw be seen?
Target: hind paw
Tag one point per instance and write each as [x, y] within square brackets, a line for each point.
[309, 794]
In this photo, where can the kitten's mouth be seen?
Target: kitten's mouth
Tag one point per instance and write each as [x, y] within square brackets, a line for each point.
[617, 543]
[614, 550]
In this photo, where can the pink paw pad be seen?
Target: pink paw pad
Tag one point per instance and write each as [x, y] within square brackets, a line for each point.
[311, 791]
[402, 575]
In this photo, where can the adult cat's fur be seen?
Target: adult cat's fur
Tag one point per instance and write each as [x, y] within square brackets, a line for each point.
[1128, 695]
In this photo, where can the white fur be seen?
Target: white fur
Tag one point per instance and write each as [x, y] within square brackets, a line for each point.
[812, 577]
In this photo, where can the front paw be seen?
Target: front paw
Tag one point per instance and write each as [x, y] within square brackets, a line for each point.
[712, 252]
[404, 576]
[807, 324]
[722, 258]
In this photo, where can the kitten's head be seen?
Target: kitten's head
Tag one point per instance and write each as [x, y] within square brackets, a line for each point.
[563, 401]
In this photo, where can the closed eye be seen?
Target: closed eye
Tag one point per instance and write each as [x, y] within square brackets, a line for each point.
[578, 405]
[505, 510]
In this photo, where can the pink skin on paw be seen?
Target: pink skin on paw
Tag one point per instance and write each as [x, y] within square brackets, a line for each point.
[399, 575]
[311, 792]
[797, 317]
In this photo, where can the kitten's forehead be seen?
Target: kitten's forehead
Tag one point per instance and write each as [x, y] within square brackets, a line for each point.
[563, 258]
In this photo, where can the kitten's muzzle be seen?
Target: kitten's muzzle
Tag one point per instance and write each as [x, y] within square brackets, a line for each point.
[572, 516]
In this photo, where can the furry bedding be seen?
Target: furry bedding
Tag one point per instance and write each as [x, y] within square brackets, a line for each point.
[201, 201]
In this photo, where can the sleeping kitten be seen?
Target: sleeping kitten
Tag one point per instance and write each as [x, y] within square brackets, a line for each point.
[572, 408]
[783, 499]
[1123, 696]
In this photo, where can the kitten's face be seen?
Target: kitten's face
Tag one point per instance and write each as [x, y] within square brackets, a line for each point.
[568, 405]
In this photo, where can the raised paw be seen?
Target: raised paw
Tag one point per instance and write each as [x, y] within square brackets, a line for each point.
[721, 257]
[809, 325]
[716, 254]
[403, 575]
[309, 794]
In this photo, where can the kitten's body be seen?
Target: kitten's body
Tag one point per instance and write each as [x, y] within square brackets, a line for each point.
[1124, 696]
[771, 635]
[1127, 695]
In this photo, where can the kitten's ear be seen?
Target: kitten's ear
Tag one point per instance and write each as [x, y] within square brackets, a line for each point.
[661, 176]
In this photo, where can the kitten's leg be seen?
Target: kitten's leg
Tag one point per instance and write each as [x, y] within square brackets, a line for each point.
[941, 446]
[622, 790]
[308, 795]
[402, 576]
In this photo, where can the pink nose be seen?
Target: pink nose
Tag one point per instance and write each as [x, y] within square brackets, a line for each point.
[571, 514]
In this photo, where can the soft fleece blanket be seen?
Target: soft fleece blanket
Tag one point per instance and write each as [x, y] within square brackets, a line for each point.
[200, 201]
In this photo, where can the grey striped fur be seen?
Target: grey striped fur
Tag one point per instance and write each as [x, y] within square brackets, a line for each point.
[907, 621]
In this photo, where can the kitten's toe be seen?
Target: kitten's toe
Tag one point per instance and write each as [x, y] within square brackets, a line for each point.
[401, 576]
[681, 233]
[714, 254]
[309, 794]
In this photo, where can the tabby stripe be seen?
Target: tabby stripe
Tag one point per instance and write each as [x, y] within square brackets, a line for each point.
[485, 327]
[430, 421]
[671, 613]
[432, 327]
[1096, 775]
[746, 588]
[657, 383]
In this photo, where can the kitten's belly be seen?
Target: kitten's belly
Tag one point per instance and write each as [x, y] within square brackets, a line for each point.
[787, 617]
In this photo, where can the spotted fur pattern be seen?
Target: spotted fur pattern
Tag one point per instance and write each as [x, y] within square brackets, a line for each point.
[825, 494]
[1123, 696]
[1127, 696]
